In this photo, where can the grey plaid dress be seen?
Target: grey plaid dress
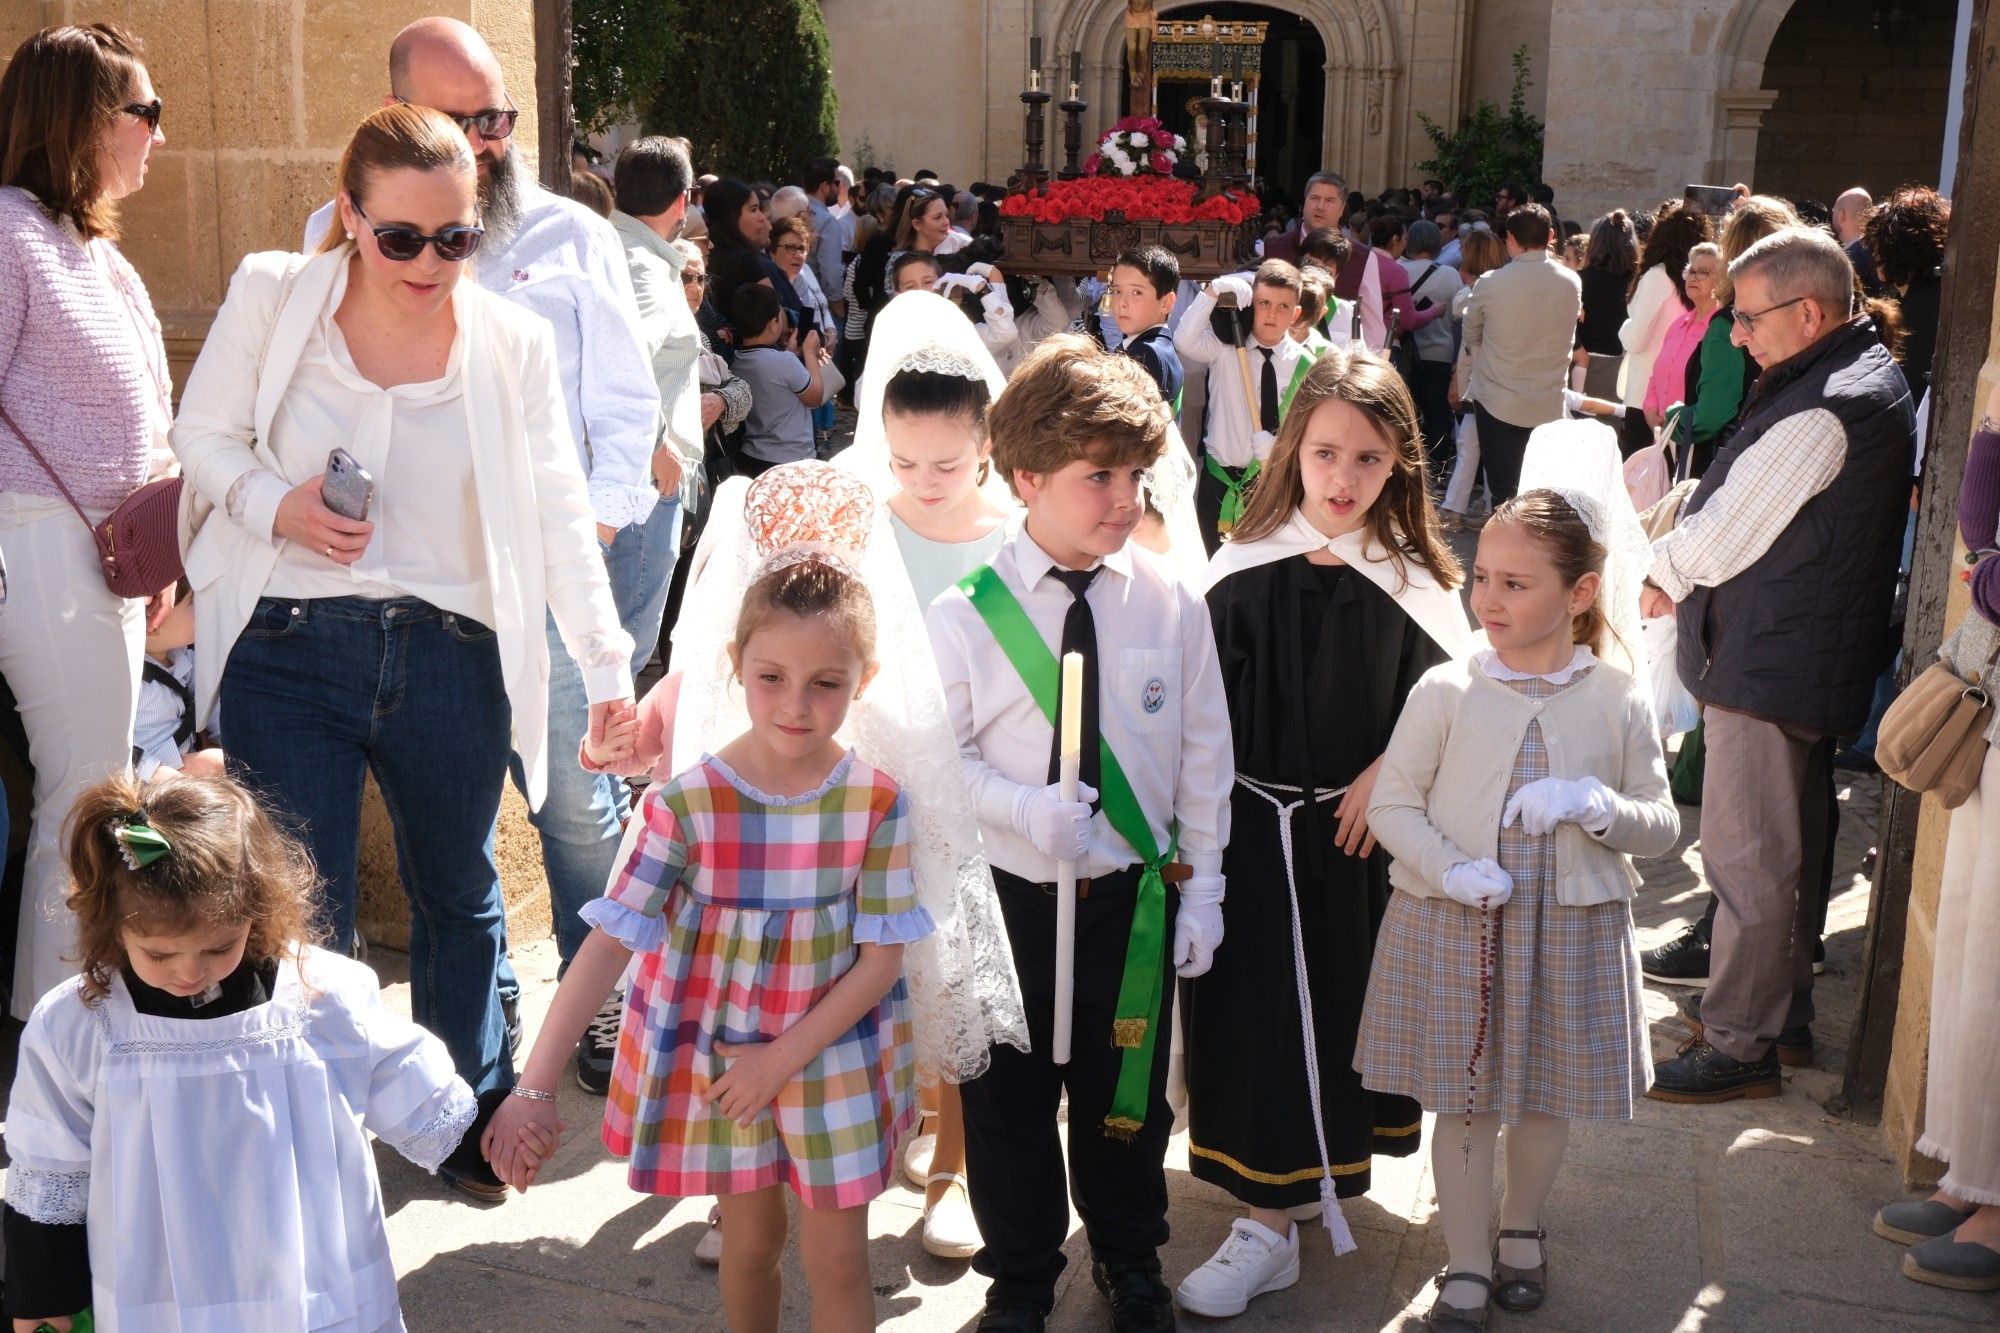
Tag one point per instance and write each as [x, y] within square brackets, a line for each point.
[1567, 1031]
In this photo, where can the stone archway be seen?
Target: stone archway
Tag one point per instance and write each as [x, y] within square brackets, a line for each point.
[1741, 99]
[1366, 104]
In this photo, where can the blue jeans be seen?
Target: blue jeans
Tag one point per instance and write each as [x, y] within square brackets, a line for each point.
[319, 693]
[583, 817]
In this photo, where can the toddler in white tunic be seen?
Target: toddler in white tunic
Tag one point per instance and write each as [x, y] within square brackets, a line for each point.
[228, 1157]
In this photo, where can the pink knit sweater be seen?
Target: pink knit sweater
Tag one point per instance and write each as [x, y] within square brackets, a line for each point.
[74, 354]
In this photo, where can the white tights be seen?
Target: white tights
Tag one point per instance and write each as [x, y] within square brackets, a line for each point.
[1464, 1181]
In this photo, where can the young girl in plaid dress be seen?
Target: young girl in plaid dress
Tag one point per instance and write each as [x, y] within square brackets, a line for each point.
[768, 893]
[1505, 990]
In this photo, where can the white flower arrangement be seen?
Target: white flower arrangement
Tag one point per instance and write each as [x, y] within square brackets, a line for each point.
[1138, 145]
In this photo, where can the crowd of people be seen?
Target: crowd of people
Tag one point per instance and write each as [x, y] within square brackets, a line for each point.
[1135, 587]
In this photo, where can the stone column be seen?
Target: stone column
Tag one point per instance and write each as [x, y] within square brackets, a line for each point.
[1739, 114]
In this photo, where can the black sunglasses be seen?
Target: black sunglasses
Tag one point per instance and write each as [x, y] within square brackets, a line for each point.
[454, 244]
[146, 111]
[492, 123]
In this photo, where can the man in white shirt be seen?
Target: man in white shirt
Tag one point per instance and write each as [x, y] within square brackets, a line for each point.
[1246, 385]
[557, 258]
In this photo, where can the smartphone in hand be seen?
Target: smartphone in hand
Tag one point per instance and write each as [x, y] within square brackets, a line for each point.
[348, 489]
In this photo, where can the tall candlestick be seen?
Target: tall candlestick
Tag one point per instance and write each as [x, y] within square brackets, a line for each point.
[1034, 53]
[1075, 71]
[1070, 707]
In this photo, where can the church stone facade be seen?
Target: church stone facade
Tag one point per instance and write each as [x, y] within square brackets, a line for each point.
[1639, 99]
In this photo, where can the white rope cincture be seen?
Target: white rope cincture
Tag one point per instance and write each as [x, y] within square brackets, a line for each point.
[1336, 1221]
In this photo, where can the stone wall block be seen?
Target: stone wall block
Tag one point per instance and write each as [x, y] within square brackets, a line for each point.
[347, 72]
[253, 54]
[269, 201]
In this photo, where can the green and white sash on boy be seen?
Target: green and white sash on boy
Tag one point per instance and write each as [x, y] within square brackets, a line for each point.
[1137, 1022]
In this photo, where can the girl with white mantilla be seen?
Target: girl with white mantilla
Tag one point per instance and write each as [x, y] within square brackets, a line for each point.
[920, 444]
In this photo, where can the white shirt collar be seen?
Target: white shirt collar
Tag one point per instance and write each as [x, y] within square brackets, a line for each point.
[1489, 662]
[1033, 562]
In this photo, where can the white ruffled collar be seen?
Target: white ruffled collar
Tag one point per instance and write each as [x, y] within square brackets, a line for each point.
[1489, 662]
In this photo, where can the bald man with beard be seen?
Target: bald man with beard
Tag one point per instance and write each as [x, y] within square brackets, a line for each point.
[1850, 220]
[555, 257]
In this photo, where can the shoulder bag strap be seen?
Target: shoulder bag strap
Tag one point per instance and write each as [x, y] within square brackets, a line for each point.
[36, 454]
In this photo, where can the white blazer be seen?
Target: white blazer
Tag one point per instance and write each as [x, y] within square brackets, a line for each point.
[534, 507]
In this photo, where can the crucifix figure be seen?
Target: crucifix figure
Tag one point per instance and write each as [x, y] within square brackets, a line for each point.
[1139, 55]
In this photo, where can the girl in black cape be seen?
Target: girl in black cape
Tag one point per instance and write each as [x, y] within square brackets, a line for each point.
[1333, 596]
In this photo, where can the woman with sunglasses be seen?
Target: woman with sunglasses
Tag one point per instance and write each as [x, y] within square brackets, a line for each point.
[393, 625]
[83, 382]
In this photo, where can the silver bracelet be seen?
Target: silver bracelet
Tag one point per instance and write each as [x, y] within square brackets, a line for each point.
[530, 1094]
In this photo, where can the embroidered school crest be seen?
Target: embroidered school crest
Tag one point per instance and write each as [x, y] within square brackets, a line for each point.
[1155, 696]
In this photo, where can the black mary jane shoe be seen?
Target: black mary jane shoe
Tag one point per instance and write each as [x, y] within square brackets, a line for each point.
[1519, 1290]
[1442, 1318]
[1010, 1319]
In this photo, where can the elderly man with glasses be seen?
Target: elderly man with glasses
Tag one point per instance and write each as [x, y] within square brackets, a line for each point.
[554, 257]
[1781, 573]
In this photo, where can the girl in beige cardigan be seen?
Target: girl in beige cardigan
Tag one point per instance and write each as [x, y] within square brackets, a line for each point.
[1514, 792]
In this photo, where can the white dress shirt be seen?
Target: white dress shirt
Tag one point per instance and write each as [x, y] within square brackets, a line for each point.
[566, 264]
[1235, 436]
[415, 440]
[1161, 706]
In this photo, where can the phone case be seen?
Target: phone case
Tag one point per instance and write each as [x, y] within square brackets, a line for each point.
[349, 489]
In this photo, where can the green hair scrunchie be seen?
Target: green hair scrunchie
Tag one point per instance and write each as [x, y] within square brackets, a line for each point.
[139, 843]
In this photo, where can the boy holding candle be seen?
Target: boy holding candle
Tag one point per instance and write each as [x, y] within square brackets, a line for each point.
[1075, 433]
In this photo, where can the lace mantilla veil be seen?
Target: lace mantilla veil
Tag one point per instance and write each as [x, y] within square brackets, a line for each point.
[966, 997]
[1580, 460]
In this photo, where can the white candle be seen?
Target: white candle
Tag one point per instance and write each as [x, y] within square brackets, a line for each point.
[1069, 721]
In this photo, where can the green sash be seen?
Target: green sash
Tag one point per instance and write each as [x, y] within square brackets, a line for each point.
[1316, 346]
[1234, 482]
[1138, 1015]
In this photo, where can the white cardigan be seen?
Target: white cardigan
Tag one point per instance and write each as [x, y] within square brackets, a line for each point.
[1654, 307]
[1443, 782]
[539, 535]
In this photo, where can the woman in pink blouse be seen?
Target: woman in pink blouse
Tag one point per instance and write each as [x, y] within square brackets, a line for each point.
[83, 377]
[1668, 383]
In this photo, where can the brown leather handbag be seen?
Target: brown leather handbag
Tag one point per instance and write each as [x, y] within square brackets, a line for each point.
[138, 546]
[1933, 738]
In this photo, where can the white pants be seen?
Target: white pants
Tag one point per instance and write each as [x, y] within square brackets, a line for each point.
[1465, 465]
[70, 651]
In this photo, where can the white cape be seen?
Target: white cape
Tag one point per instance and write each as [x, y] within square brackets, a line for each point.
[1437, 610]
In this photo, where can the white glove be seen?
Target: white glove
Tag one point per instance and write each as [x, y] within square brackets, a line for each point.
[1573, 402]
[980, 271]
[1059, 829]
[1478, 883]
[1198, 925]
[1543, 804]
[1236, 287]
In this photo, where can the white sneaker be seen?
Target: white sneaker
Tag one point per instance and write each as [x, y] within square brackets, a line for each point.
[708, 1249]
[917, 1154]
[949, 1229]
[1254, 1260]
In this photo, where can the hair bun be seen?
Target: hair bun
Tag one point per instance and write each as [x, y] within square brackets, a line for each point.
[809, 504]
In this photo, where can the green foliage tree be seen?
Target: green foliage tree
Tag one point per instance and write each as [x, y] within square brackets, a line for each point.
[619, 51]
[750, 85]
[1490, 146]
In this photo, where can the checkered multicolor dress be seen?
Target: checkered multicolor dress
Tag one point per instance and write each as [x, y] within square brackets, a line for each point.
[1567, 1031]
[747, 908]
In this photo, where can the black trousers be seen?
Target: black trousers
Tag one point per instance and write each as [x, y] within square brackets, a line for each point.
[1013, 1155]
[1208, 493]
[1502, 446]
[1433, 394]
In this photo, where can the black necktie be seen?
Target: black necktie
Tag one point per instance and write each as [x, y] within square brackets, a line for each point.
[1080, 636]
[1268, 396]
